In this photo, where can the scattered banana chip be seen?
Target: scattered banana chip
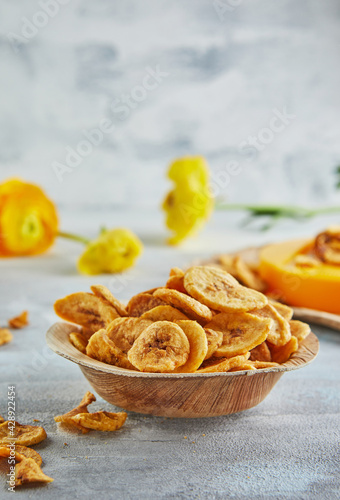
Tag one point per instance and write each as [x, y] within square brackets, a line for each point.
[19, 321]
[260, 353]
[220, 291]
[215, 339]
[306, 261]
[79, 341]
[327, 246]
[285, 311]
[67, 418]
[281, 354]
[1, 419]
[299, 329]
[105, 294]
[24, 435]
[86, 310]
[162, 347]
[241, 332]
[20, 453]
[141, 303]
[164, 313]
[198, 346]
[28, 471]
[101, 420]
[191, 307]
[5, 336]
[280, 331]
[222, 364]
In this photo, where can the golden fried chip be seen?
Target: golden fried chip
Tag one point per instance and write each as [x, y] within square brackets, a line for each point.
[19, 321]
[82, 408]
[241, 332]
[143, 302]
[215, 339]
[243, 367]
[213, 364]
[164, 313]
[306, 261]
[299, 329]
[198, 345]
[162, 347]
[261, 365]
[260, 353]
[24, 435]
[5, 336]
[281, 354]
[220, 291]
[100, 347]
[101, 420]
[191, 307]
[79, 341]
[327, 246]
[280, 332]
[105, 294]
[19, 453]
[176, 271]
[176, 280]
[86, 310]
[28, 471]
[285, 311]
[247, 276]
[1, 419]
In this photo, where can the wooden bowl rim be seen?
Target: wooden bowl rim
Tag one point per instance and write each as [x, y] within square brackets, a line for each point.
[57, 340]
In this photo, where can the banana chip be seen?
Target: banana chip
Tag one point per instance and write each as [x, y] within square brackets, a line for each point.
[1, 419]
[164, 313]
[280, 332]
[299, 329]
[19, 321]
[191, 307]
[101, 420]
[5, 336]
[285, 311]
[176, 280]
[162, 347]
[100, 347]
[215, 339]
[220, 291]
[222, 364]
[281, 354]
[260, 353]
[20, 453]
[261, 365]
[105, 294]
[24, 435]
[86, 310]
[67, 418]
[141, 303]
[79, 341]
[28, 471]
[243, 367]
[327, 246]
[241, 332]
[237, 267]
[198, 346]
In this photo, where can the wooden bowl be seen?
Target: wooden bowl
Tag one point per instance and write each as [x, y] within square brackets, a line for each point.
[188, 395]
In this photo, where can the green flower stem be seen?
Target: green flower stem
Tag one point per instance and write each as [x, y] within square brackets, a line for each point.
[74, 237]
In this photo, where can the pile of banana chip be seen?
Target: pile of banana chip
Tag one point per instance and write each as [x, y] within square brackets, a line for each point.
[203, 320]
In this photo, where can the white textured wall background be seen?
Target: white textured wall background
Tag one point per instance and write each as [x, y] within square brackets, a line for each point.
[225, 77]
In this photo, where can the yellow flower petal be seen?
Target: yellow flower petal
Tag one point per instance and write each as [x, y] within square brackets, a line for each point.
[112, 252]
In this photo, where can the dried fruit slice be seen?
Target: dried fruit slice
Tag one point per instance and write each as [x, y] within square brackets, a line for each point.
[86, 310]
[222, 364]
[164, 313]
[327, 246]
[238, 268]
[220, 291]
[24, 435]
[176, 280]
[79, 341]
[67, 418]
[141, 303]
[285, 311]
[1, 419]
[280, 332]
[5, 336]
[100, 347]
[20, 452]
[299, 329]
[241, 332]
[198, 346]
[105, 294]
[215, 339]
[260, 353]
[19, 321]
[261, 365]
[101, 420]
[162, 347]
[243, 367]
[191, 307]
[28, 471]
[281, 354]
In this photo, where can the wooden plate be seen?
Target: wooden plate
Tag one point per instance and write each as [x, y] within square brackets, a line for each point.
[251, 256]
[190, 395]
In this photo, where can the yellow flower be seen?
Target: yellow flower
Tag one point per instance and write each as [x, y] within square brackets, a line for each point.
[28, 219]
[190, 203]
[112, 252]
